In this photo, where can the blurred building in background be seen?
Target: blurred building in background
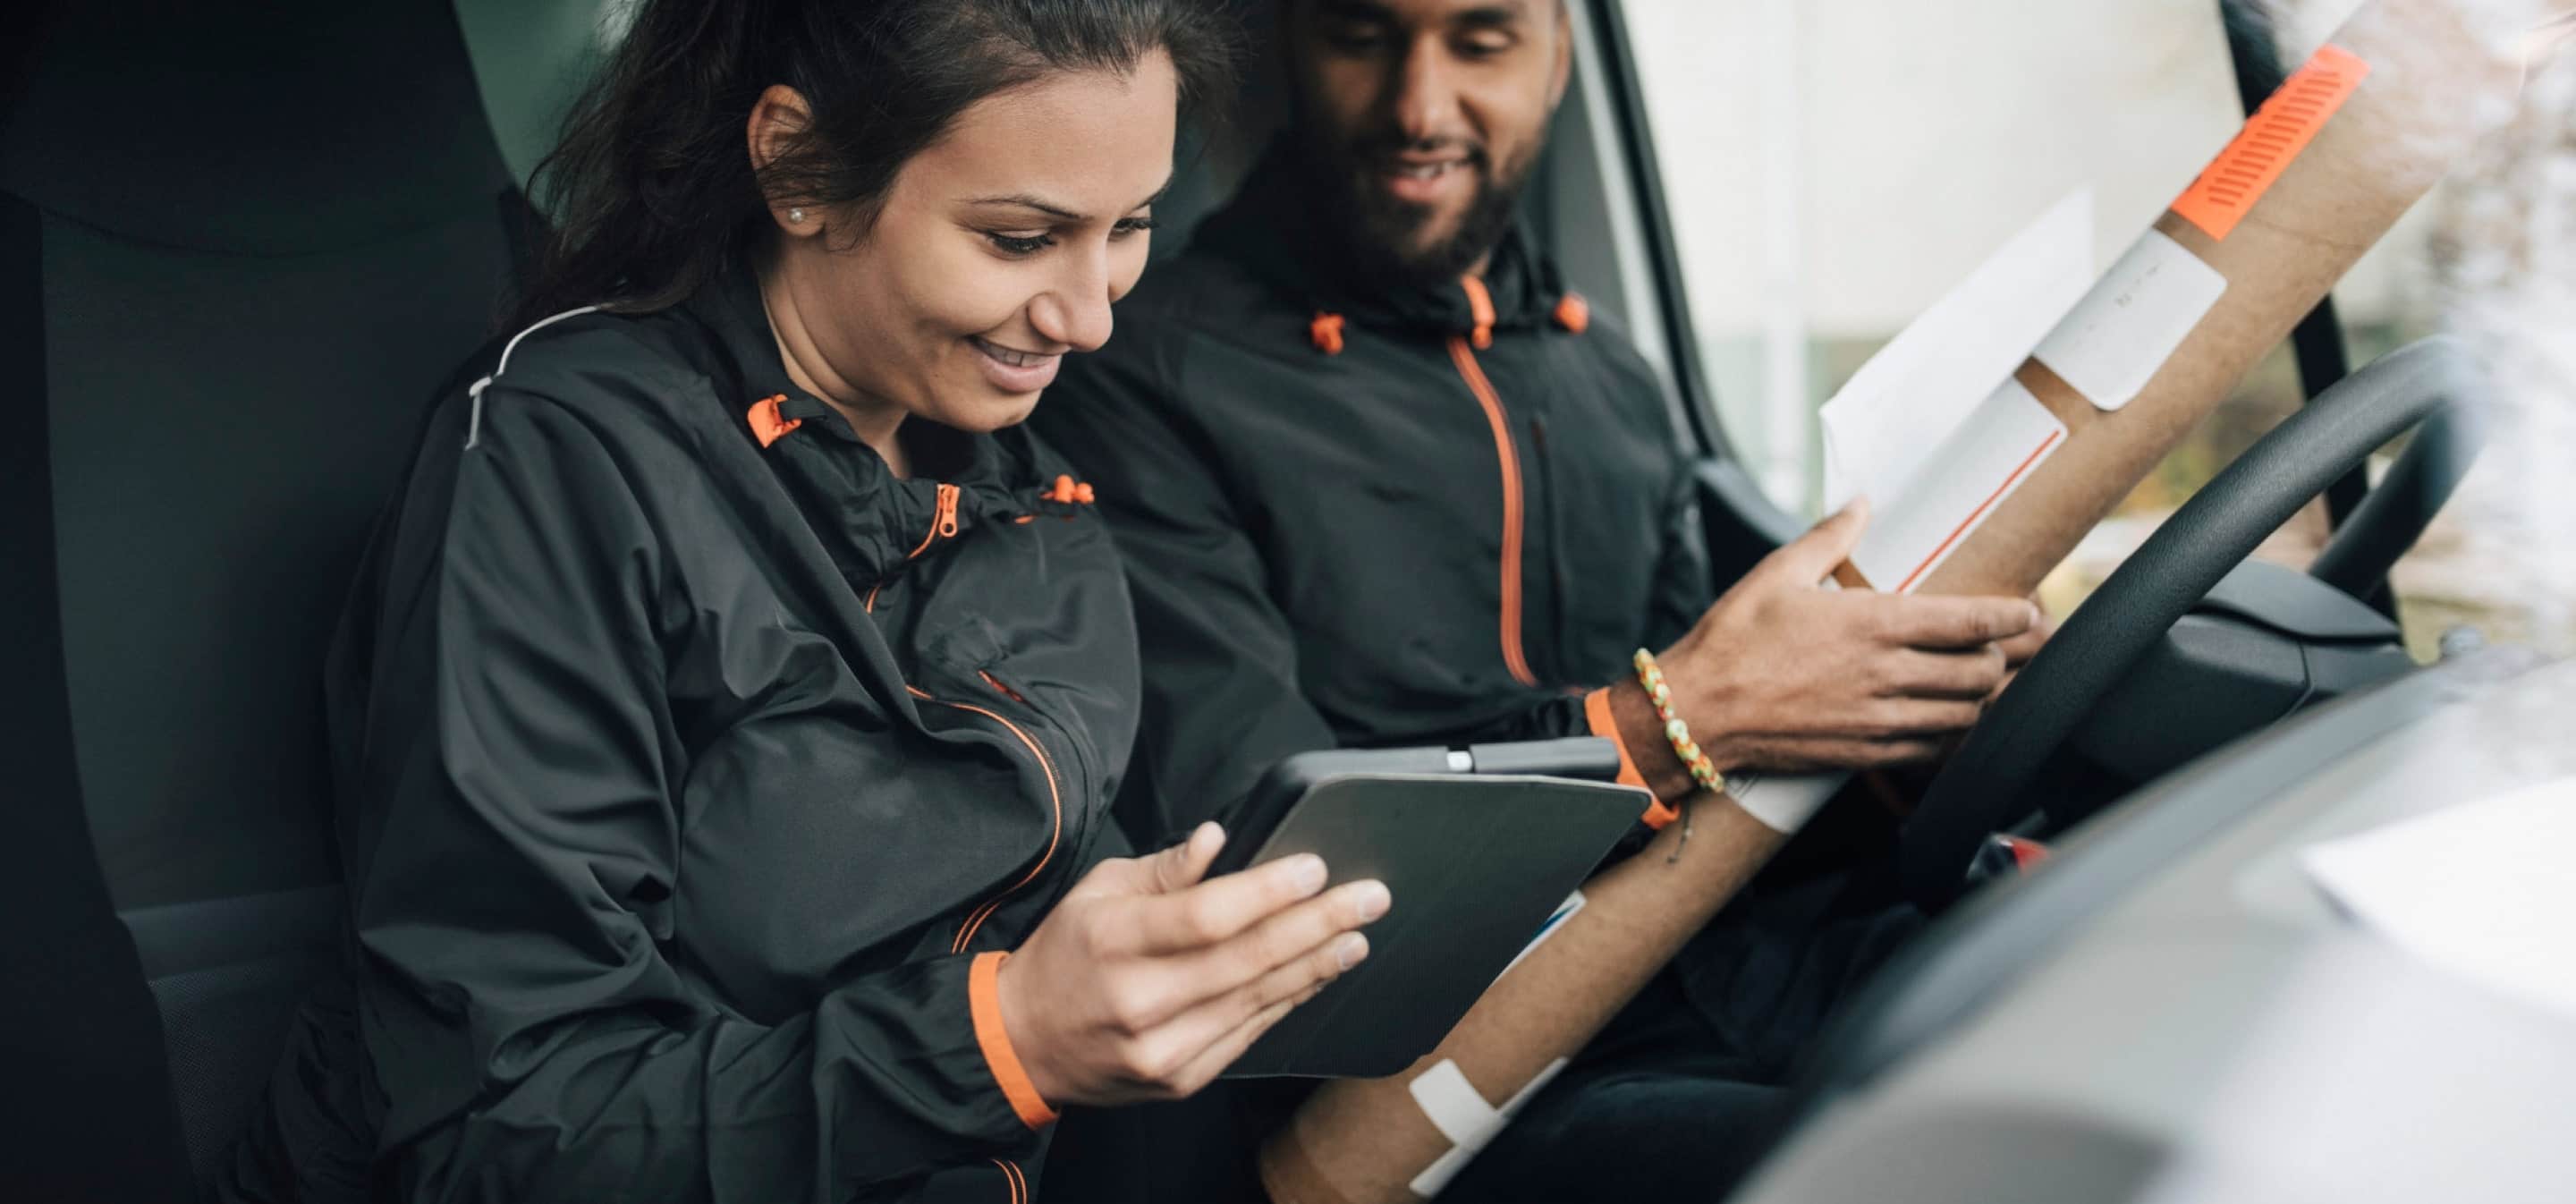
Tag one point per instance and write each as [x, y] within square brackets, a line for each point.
[1834, 166]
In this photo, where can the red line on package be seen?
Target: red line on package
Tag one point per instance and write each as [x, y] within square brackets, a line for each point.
[1965, 524]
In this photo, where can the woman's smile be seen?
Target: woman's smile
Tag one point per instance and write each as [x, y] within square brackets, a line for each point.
[1012, 370]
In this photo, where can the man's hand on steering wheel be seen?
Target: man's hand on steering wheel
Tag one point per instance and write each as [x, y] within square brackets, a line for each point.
[2019, 649]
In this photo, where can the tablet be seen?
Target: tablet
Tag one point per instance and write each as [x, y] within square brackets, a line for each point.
[1482, 865]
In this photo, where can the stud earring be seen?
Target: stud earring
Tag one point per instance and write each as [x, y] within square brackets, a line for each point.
[796, 215]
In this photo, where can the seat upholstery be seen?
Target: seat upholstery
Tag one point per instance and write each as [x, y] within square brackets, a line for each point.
[258, 235]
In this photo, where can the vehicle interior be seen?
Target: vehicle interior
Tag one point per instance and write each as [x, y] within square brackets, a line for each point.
[232, 335]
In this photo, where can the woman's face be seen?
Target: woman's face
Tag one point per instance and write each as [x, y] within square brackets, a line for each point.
[997, 251]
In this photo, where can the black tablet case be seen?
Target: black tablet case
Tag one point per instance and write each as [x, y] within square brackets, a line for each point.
[1476, 864]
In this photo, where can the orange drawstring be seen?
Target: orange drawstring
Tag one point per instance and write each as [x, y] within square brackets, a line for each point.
[1574, 313]
[1326, 331]
[766, 424]
[1069, 492]
[1480, 307]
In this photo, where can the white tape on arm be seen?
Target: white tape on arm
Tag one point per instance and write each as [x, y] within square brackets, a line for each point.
[1783, 804]
[1450, 1101]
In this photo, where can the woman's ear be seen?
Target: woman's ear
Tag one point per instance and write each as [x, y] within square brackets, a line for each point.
[778, 119]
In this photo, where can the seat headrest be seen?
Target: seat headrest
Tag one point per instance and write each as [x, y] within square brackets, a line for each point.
[279, 128]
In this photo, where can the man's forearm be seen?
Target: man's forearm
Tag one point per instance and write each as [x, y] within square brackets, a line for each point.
[1364, 1140]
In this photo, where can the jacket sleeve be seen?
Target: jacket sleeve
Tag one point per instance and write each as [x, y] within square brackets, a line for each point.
[532, 1037]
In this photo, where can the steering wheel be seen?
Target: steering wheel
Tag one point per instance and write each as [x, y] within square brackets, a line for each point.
[1986, 786]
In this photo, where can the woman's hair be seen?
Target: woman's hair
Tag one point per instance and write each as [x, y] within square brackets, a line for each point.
[652, 192]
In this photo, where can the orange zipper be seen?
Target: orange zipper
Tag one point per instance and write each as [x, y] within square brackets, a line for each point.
[943, 518]
[1468, 370]
[1019, 1184]
[1006, 691]
[1055, 799]
[943, 525]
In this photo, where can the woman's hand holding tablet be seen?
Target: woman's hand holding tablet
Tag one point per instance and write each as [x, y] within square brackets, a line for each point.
[1150, 978]
[1486, 842]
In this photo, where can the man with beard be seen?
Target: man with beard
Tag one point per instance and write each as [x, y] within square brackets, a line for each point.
[1381, 479]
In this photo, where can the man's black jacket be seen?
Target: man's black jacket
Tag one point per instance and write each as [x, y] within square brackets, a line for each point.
[1370, 516]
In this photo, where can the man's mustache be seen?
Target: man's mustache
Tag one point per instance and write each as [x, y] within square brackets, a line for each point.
[1383, 147]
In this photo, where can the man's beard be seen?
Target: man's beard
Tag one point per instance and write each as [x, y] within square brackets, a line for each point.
[1380, 233]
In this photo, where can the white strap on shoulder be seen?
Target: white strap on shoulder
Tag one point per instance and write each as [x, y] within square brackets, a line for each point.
[474, 416]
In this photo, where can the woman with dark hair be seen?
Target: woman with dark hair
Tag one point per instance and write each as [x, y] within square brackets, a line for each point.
[726, 717]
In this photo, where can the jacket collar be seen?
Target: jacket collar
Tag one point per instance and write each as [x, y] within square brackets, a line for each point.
[1272, 229]
[873, 522]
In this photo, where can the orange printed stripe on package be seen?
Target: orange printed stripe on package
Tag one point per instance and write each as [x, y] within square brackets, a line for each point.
[2277, 132]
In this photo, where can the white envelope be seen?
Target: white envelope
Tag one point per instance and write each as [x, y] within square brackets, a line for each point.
[1928, 428]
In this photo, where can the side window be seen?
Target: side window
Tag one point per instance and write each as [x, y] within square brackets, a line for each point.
[1830, 169]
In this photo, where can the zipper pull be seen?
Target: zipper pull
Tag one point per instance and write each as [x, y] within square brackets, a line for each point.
[945, 524]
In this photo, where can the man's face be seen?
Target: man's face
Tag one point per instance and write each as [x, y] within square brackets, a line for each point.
[1422, 118]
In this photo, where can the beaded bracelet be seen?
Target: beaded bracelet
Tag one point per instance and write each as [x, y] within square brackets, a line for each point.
[1702, 770]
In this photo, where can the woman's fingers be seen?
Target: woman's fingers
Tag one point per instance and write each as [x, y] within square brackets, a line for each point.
[1221, 1053]
[1181, 866]
[1174, 983]
[1309, 969]
[1174, 869]
[1292, 933]
[1217, 1032]
[1218, 909]
[1302, 949]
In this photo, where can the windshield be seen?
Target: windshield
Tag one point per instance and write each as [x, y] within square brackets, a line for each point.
[1830, 170]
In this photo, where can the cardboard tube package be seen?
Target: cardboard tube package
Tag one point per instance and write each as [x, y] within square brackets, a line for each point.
[2346, 146]
[2350, 142]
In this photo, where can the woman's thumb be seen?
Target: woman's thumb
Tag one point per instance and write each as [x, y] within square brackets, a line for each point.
[1178, 867]
[1181, 866]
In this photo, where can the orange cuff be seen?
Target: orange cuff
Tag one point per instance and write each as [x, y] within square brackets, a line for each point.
[984, 1002]
[1596, 714]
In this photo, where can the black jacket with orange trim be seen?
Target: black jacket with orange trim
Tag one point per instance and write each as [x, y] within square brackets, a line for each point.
[696, 771]
[1354, 517]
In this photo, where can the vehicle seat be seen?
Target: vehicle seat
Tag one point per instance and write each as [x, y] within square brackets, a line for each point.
[255, 238]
